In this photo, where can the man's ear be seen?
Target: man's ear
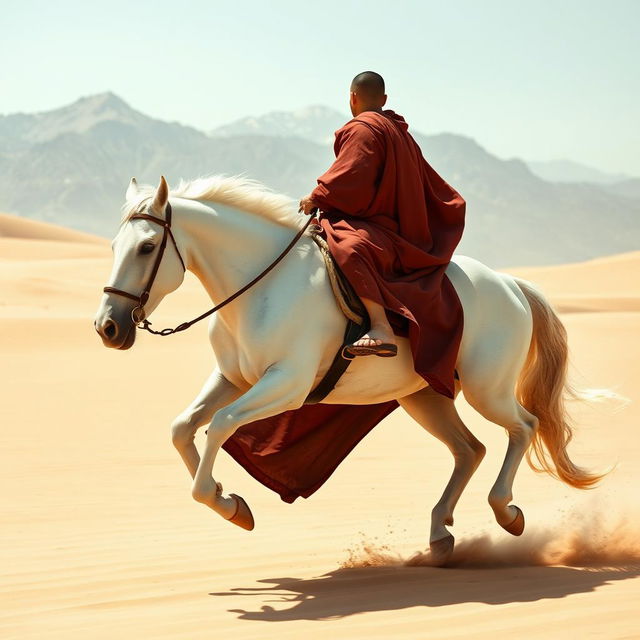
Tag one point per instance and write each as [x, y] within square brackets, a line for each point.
[384, 100]
[161, 197]
[132, 190]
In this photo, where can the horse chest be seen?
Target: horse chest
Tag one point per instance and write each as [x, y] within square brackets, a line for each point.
[245, 348]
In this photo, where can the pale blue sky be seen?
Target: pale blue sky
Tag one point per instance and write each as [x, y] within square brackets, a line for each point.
[538, 79]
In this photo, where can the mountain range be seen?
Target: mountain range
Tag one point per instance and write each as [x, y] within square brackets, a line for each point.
[71, 166]
[316, 123]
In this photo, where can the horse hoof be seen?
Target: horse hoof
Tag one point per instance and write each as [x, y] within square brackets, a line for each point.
[441, 550]
[243, 516]
[516, 526]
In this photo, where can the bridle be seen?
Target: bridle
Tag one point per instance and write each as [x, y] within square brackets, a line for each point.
[138, 314]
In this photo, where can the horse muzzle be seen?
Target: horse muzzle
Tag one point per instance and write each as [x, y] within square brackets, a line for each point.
[116, 334]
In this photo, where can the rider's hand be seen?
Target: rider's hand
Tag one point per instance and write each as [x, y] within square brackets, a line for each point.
[307, 206]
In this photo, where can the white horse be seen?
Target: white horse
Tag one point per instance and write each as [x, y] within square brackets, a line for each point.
[512, 361]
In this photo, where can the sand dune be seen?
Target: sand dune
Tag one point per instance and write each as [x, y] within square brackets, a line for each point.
[18, 227]
[101, 539]
[24, 239]
[596, 285]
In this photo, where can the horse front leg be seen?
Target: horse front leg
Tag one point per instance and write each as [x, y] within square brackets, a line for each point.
[216, 392]
[279, 389]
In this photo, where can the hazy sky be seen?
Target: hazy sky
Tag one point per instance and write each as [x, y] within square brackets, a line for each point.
[539, 79]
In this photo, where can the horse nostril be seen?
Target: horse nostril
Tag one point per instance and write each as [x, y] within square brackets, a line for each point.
[110, 329]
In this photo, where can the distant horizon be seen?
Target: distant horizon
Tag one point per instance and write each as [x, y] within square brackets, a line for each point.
[534, 78]
[621, 174]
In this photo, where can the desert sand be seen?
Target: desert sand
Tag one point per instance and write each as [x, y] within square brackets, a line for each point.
[101, 539]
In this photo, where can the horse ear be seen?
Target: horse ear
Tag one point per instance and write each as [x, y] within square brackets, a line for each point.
[162, 196]
[132, 190]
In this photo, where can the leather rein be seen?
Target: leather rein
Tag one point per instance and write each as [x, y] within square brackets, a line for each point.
[138, 314]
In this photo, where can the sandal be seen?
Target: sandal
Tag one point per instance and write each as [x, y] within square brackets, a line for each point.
[384, 350]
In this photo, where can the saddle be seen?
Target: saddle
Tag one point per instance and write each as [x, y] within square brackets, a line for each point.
[358, 322]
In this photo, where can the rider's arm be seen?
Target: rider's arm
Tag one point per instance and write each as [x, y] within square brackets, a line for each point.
[350, 184]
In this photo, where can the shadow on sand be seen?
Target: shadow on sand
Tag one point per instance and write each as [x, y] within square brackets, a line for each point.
[346, 592]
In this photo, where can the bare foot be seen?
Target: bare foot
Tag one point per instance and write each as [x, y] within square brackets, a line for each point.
[378, 334]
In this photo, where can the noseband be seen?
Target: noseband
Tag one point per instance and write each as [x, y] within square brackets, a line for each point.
[138, 314]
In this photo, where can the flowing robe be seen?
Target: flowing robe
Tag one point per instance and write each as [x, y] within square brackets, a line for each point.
[392, 224]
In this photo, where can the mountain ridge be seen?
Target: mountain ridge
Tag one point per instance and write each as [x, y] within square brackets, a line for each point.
[71, 166]
[315, 122]
[565, 170]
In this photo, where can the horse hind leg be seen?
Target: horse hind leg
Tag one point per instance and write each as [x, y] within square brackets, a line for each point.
[489, 373]
[438, 415]
[504, 410]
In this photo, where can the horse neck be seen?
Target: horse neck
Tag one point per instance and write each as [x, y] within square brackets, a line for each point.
[228, 247]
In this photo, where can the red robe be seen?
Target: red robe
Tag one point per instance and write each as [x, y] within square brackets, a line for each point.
[392, 224]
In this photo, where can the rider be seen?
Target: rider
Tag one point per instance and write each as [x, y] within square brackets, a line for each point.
[392, 224]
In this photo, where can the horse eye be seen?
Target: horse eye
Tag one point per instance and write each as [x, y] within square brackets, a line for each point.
[147, 247]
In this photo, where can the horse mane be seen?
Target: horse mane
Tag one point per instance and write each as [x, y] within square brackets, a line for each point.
[233, 191]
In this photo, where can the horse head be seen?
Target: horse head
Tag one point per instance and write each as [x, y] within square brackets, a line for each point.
[143, 272]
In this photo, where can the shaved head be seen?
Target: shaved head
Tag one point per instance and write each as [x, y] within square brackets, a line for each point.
[367, 93]
[369, 85]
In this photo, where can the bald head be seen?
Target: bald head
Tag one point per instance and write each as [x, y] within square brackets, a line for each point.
[367, 93]
[368, 84]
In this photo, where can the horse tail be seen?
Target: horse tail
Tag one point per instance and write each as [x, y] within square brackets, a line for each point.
[542, 389]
